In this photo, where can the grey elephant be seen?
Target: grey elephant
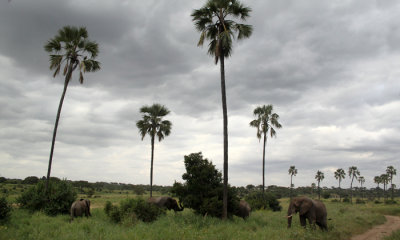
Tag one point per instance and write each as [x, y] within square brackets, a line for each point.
[80, 207]
[244, 209]
[166, 202]
[313, 210]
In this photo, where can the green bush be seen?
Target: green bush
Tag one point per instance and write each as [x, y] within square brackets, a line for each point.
[5, 210]
[58, 200]
[360, 201]
[203, 189]
[257, 201]
[131, 210]
[390, 202]
[346, 200]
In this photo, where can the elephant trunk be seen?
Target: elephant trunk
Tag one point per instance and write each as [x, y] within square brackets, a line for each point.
[289, 221]
[290, 213]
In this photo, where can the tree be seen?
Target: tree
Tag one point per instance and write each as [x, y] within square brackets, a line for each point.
[353, 173]
[202, 190]
[292, 172]
[70, 47]
[361, 180]
[391, 171]
[154, 125]
[312, 189]
[319, 177]
[215, 22]
[385, 181]
[377, 180]
[265, 121]
[340, 174]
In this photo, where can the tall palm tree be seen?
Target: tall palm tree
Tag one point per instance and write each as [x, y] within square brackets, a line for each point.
[377, 180]
[391, 171]
[216, 22]
[319, 177]
[154, 125]
[340, 174]
[361, 180]
[385, 181]
[353, 173]
[71, 48]
[292, 172]
[265, 120]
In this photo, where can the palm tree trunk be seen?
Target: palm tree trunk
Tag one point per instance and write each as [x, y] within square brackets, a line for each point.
[351, 190]
[151, 166]
[340, 192]
[263, 163]
[391, 184]
[67, 78]
[319, 192]
[291, 176]
[225, 116]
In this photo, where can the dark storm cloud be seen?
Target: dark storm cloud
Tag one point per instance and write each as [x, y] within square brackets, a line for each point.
[329, 69]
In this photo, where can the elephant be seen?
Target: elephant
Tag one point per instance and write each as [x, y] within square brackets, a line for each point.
[166, 202]
[244, 209]
[313, 210]
[80, 207]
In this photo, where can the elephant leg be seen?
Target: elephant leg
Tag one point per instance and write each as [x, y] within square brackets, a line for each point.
[311, 221]
[303, 220]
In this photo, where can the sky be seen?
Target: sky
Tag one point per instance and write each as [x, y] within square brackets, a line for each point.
[330, 69]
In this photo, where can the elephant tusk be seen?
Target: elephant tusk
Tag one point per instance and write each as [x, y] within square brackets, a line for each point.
[289, 216]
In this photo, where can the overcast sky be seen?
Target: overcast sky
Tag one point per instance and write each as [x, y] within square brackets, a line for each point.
[331, 69]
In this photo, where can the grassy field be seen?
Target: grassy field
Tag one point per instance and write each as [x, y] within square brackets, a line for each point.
[347, 220]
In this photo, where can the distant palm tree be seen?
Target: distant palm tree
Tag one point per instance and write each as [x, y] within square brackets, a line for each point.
[265, 121]
[391, 171]
[353, 173]
[154, 125]
[215, 23]
[385, 181]
[70, 47]
[319, 177]
[377, 180]
[361, 180]
[292, 172]
[340, 174]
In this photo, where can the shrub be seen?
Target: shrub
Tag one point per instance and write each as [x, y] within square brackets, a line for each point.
[377, 202]
[360, 201]
[326, 195]
[203, 189]
[131, 210]
[58, 200]
[269, 201]
[5, 210]
[347, 200]
[390, 202]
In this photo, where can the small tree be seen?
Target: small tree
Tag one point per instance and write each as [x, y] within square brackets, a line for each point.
[319, 177]
[361, 180]
[340, 174]
[203, 189]
[391, 171]
[154, 125]
[292, 172]
[385, 181]
[353, 173]
[377, 180]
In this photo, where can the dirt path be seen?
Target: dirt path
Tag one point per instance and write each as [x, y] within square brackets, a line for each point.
[378, 232]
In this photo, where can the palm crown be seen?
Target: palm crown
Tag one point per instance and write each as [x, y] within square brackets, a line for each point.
[265, 120]
[211, 20]
[152, 122]
[71, 46]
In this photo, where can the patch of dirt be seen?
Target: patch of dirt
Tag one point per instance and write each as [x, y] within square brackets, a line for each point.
[378, 232]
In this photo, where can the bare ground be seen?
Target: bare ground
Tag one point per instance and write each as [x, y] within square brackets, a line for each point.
[378, 232]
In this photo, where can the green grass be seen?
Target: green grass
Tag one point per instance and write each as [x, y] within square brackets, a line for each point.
[347, 220]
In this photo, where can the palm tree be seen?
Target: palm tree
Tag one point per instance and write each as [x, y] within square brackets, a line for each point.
[385, 181]
[319, 177]
[215, 22]
[72, 48]
[353, 173]
[377, 180]
[361, 180]
[265, 121]
[292, 172]
[340, 174]
[391, 171]
[153, 125]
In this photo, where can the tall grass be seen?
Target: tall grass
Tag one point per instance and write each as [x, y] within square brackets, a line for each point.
[346, 220]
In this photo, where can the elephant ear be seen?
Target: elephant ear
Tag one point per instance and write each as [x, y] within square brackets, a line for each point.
[305, 206]
[170, 203]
